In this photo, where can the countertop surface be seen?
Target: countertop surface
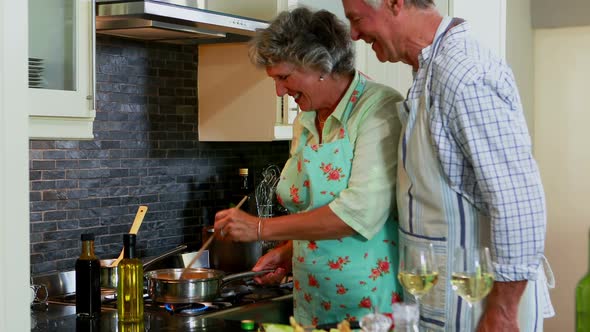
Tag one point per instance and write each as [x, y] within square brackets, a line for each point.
[59, 317]
[63, 318]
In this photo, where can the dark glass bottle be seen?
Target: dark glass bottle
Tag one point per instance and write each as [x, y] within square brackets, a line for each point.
[245, 189]
[87, 280]
[130, 283]
[583, 300]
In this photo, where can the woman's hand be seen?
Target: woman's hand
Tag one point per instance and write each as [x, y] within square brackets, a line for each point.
[278, 259]
[235, 224]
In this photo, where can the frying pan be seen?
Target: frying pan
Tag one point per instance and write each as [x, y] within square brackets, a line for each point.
[196, 285]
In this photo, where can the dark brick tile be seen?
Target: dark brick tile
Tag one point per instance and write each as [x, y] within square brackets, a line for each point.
[43, 165]
[43, 227]
[42, 185]
[42, 145]
[68, 224]
[54, 215]
[53, 175]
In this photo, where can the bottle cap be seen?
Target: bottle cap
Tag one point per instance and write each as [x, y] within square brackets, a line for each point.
[243, 171]
[247, 325]
[87, 237]
[129, 239]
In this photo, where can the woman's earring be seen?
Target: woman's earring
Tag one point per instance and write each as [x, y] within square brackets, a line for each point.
[321, 77]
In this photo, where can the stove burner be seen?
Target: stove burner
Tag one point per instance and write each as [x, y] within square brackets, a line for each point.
[194, 309]
[188, 309]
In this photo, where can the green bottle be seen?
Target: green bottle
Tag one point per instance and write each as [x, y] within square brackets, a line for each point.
[583, 300]
[130, 284]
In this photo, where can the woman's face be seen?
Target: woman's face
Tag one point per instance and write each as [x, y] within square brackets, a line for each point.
[301, 84]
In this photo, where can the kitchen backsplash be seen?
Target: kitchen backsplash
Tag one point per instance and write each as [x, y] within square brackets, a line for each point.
[145, 152]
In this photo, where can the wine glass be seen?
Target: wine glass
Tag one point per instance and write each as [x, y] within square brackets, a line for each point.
[473, 275]
[417, 269]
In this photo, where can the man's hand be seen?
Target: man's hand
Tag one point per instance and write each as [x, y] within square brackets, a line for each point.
[501, 310]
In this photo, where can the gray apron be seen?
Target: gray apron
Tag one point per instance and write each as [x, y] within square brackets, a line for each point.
[431, 212]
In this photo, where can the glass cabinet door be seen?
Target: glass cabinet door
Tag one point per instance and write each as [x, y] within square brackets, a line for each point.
[60, 60]
[52, 41]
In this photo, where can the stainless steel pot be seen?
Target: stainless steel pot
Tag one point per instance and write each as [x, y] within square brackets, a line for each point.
[109, 275]
[197, 285]
[230, 256]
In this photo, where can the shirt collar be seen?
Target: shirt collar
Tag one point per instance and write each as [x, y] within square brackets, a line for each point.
[425, 54]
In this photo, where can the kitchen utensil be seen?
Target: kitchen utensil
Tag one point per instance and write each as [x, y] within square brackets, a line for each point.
[196, 285]
[208, 242]
[222, 253]
[134, 228]
[109, 275]
[264, 194]
[265, 191]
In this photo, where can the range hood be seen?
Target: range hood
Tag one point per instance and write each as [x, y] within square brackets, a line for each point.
[172, 21]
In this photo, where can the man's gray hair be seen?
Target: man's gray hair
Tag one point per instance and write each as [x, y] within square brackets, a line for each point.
[416, 3]
[315, 40]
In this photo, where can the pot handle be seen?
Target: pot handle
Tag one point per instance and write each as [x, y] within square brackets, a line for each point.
[243, 275]
[170, 252]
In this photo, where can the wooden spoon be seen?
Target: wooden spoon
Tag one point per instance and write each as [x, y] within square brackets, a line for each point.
[134, 228]
[205, 245]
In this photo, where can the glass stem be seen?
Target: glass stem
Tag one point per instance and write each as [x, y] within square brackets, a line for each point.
[472, 316]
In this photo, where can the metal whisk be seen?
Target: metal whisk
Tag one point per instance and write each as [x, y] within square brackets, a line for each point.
[265, 191]
[264, 194]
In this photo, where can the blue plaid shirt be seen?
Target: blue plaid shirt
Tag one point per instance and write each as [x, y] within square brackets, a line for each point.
[480, 135]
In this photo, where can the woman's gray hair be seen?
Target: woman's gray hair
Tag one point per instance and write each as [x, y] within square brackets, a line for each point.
[315, 40]
[415, 3]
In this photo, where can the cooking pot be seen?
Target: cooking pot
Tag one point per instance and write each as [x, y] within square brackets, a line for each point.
[230, 256]
[109, 275]
[197, 285]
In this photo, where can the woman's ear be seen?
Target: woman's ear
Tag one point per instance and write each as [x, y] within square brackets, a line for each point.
[395, 6]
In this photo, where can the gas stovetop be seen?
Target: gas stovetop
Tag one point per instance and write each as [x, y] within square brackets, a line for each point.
[233, 295]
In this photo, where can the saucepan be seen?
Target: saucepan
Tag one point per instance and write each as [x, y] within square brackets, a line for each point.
[197, 285]
[230, 256]
[108, 273]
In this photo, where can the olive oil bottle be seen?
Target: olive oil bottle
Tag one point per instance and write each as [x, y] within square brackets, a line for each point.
[583, 300]
[130, 283]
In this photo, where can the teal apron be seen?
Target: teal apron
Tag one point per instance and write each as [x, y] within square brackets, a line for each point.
[431, 212]
[338, 279]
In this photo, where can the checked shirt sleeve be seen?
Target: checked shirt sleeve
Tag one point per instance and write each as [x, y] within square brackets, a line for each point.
[488, 123]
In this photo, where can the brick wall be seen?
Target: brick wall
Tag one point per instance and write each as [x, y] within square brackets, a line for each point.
[145, 152]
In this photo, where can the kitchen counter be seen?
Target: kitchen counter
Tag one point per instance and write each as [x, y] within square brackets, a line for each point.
[59, 317]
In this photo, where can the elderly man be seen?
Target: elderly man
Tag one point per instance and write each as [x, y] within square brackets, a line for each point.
[466, 174]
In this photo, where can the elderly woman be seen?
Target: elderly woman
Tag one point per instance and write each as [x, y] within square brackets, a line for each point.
[338, 184]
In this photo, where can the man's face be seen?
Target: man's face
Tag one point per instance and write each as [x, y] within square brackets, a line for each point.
[374, 26]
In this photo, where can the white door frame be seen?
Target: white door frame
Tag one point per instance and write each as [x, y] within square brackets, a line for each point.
[14, 168]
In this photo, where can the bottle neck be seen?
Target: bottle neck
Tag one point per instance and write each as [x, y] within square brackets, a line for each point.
[129, 251]
[87, 250]
[244, 182]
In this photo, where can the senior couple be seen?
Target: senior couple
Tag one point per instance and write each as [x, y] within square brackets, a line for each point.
[454, 154]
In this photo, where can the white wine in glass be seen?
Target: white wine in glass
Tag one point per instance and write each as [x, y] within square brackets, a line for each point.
[473, 276]
[417, 269]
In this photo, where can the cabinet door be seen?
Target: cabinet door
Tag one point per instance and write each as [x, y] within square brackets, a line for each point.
[61, 35]
[237, 101]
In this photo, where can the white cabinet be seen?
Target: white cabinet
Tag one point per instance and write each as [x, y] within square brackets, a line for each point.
[61, 80]
[237, 101]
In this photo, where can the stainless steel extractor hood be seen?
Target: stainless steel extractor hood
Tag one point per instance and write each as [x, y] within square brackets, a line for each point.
[172, 21]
